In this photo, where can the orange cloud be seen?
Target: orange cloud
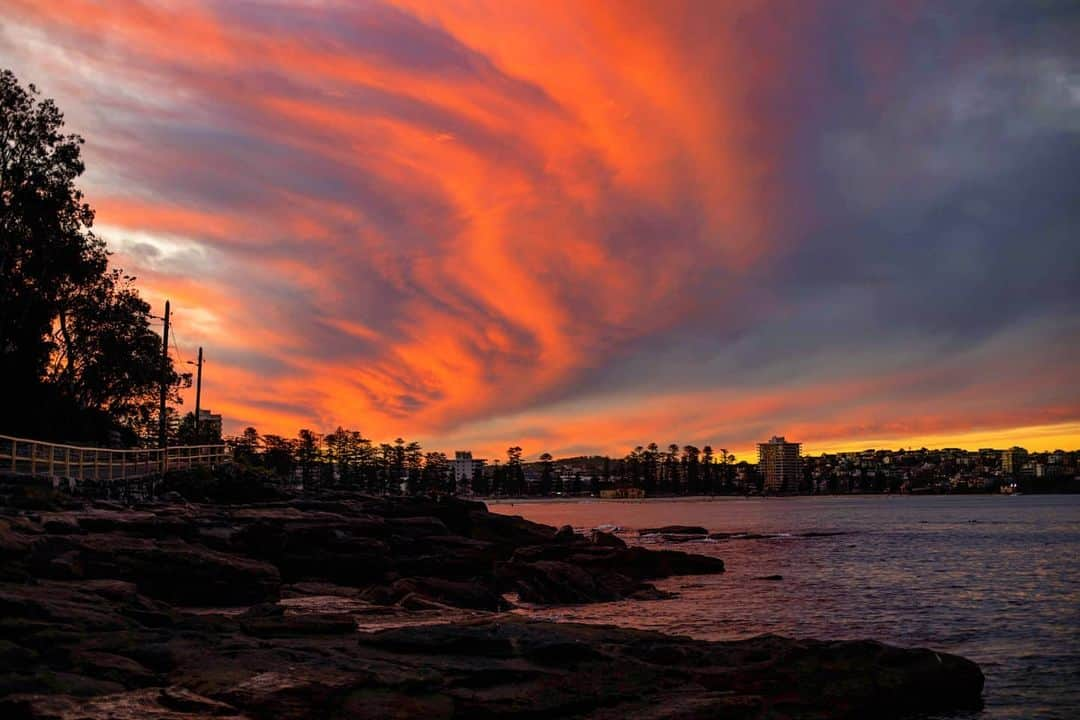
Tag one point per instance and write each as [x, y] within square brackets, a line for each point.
[470, 221]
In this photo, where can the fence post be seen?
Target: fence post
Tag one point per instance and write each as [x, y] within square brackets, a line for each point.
[14, 455]
[33, 458]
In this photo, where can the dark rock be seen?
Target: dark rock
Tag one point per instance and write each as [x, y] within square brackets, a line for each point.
[508, 532]
[88, 627]
[61, 524]
[550, 582]
[674, 530]
[606, 539]
[634, 562]
[418, 527]
[762, 677]
[771, 577]
[448, 556]
[148, 704]
[284, 626]
[176, 571]
[736, 536]
[264, 610]
[645, 591]
[679, 538]
[565, 534]
[316, 545]
[475, 594]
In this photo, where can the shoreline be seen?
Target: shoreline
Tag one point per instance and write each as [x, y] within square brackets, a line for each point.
[732, 498]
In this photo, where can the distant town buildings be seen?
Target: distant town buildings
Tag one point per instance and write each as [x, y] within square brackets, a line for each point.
[347, 458]
[780, 465]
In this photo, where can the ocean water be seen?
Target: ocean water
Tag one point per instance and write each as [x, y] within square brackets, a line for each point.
[993, 578]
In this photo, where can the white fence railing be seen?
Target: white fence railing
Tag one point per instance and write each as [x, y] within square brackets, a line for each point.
[73, 462]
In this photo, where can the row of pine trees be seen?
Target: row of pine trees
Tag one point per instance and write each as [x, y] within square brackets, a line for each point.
[345, 458]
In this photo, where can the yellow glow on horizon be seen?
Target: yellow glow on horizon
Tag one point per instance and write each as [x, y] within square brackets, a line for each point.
[1036, 438]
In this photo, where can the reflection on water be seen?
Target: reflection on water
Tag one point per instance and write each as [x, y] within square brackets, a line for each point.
[994, 578]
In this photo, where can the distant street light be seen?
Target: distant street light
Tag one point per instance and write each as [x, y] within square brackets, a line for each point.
[198, 390]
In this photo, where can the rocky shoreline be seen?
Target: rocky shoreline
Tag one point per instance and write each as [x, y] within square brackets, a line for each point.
[173, 610]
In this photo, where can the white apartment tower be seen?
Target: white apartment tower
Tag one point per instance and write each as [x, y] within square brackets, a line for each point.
[465, 469]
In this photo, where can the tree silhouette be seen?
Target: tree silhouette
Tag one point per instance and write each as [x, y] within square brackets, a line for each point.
[245, 446]
[77, 352]
[691, 456]
[514, 478]
[308, 448]
[278, 455]
[436, 473]
[671, 468]
[708, 470]
[547, 472]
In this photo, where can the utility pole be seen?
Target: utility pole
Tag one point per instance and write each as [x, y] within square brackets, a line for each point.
[163, 426]
[198, 396]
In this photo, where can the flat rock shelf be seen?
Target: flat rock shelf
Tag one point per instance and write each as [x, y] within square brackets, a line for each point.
[336, 605]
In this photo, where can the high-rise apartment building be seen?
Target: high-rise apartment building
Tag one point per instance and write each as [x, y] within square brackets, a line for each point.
[1013, 460]
[466, 469]
[780, 463]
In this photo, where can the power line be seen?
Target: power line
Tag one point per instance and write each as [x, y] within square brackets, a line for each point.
[180, 356]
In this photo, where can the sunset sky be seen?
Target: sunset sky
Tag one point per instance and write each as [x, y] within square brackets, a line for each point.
[582, 226]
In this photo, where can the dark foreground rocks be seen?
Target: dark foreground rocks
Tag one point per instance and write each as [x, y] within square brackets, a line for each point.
[175, 610]
[97, 650]
[402, 550]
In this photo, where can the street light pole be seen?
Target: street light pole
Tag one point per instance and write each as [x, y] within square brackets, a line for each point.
[163, 425]
[198, 393]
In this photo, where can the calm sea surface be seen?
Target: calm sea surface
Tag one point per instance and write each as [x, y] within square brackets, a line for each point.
[993, 578]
